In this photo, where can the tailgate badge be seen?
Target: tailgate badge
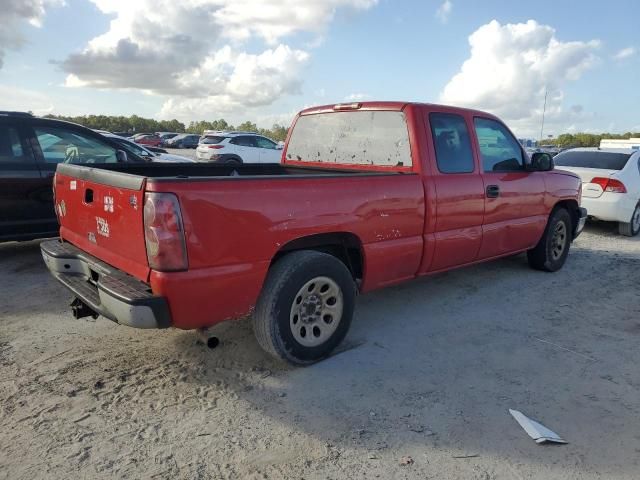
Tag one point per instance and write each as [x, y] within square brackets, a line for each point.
[133, 201]
[108, 204]
[92, 237]
[62, 209]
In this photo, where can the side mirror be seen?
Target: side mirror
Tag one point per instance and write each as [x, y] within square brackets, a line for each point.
[279, 146]
[121, 156]
[541, 162]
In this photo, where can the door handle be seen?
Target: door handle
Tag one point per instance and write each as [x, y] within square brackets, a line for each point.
[493, 191]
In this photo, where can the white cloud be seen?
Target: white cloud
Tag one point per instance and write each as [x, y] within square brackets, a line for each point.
[193, 51]
[510, 68]
[20, 99]
[444, 11]
[625, 53]
[13, 15]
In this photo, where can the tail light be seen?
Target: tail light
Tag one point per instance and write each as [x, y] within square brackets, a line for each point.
[216, 147]
[164, 233]
[610, 185]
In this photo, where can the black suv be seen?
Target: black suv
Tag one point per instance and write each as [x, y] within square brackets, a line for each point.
[30, 149]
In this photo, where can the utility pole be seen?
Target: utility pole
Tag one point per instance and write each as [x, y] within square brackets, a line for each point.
[544, 110]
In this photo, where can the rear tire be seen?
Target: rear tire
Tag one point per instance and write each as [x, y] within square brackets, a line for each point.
[305, 308]
[551, 252]
[632, 228]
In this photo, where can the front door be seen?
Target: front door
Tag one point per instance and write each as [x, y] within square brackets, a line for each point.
[26, 208]
[459, 191]
[269, 152]
[514, 215]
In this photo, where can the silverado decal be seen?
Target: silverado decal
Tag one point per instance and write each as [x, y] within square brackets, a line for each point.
[102, 227]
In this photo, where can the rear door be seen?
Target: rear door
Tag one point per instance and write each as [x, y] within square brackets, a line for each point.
[459, 191]
[515, 214]
[246, 148]
[26, 206]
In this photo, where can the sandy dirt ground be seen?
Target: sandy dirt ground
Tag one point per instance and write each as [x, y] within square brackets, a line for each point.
[428, 371]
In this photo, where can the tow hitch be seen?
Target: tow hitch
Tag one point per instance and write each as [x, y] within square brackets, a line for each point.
[81, 309]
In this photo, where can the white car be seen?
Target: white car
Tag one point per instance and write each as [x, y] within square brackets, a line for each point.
[610, 184]
[141, 151]
[237, 147]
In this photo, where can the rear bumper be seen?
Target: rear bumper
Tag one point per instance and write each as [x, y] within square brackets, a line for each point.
[610, 207]
[582, 219]
[108, 291]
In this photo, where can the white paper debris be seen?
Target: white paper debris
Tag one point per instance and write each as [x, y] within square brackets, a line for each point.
[538, 432]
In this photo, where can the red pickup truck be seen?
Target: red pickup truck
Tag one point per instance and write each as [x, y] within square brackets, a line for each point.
[367, 195]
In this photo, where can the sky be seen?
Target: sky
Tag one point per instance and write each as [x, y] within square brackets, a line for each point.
[263, 60]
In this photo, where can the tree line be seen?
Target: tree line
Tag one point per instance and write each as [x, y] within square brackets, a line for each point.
[586, 139]
[136, 124]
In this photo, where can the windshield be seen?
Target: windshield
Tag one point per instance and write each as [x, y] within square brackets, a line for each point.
[131, 147]
[592, 159]
[378, 138]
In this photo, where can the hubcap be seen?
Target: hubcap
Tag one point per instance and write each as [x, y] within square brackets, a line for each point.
[559, 240]
[316, 311]
[635, 220]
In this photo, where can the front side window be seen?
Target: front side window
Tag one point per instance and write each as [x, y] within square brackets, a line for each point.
[377, 138]
[500, 151]
[452, 143]
[262, 142]
[60, 145]
[11, 149]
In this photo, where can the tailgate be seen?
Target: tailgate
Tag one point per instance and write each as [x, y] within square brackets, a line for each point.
[100, 212]
[590, 189]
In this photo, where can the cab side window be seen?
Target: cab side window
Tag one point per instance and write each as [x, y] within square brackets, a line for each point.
[452, 143]
[60, 145]
[500, 151]
[11, 147]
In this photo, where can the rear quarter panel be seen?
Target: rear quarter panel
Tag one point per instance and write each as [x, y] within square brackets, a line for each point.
[234, 227]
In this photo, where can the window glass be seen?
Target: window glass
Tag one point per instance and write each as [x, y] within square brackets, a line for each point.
[244, 141]
[10, 145]
[61, 145]
[592, 159]
[379, 138]
[131, 147]
[452, 143]
[211, 140]
[500, 151]
[265, 143]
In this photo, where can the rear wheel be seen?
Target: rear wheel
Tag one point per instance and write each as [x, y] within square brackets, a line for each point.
[552, 250]
[305, 308]
[632, 228]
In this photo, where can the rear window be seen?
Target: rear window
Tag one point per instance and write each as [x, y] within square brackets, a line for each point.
[594, 159]
[376, 138]
[210, 140]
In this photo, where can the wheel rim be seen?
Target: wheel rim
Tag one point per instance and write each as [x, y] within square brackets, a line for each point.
[559, 240]
[316, 311]
[635, 219]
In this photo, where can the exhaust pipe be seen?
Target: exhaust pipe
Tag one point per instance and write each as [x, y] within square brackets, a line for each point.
[81, 309]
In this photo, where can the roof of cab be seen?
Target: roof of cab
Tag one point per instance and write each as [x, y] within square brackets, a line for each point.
[388, 106]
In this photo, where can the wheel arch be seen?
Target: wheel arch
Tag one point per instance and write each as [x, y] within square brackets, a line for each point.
[345, 246]
[571, 206]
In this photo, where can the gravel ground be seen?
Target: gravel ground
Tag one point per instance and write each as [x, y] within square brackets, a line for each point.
[429, 372]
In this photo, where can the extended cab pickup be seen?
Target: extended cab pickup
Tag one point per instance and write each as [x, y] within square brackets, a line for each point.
[367, 195]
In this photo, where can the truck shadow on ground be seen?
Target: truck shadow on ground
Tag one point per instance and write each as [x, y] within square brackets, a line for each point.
[435, 364]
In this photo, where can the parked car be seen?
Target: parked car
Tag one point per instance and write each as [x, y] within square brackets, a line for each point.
[149, 153]
[30, 150]
[150, 140]
[138, 135]
[184, 140]
[165, 136]
[238, 147]
[610, 184]
[367, 195]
